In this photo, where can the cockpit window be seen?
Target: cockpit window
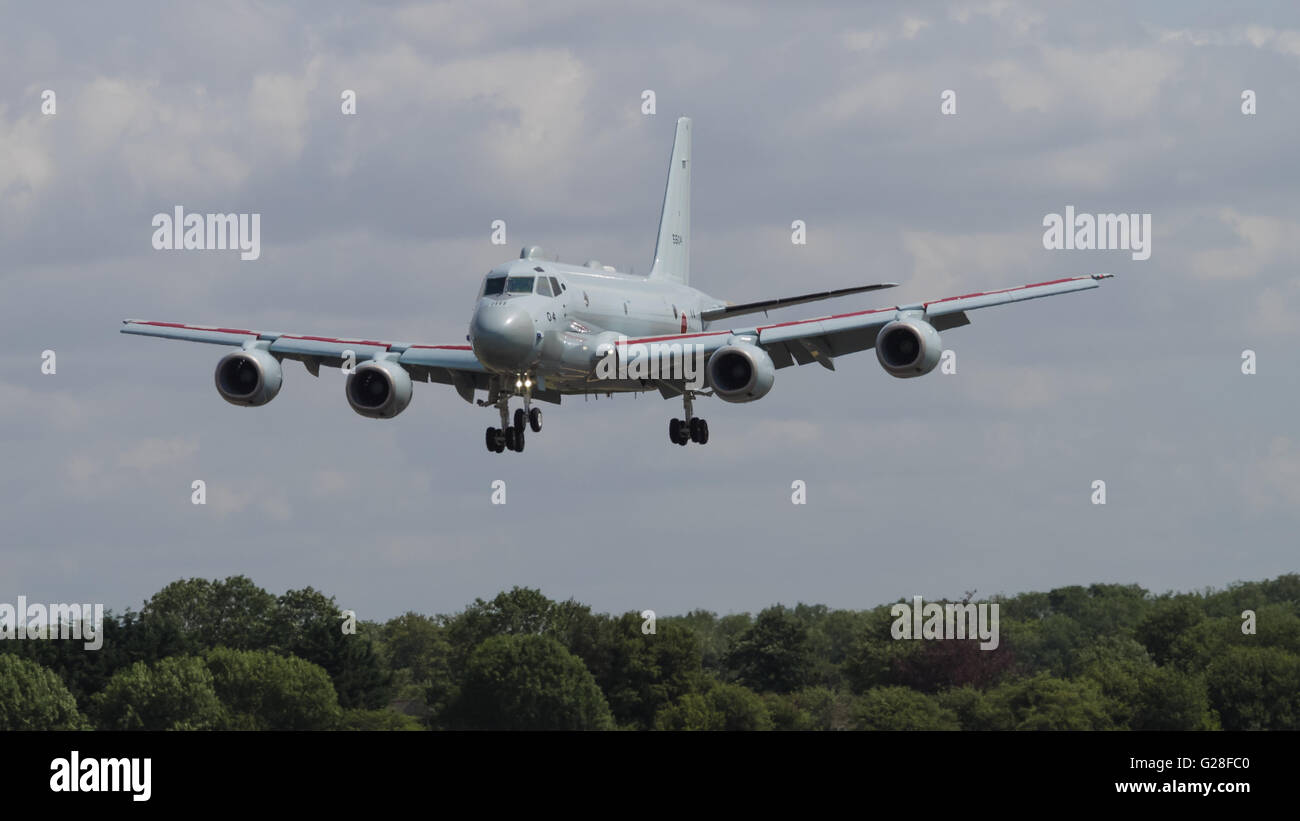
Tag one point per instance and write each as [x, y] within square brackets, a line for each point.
[519, 285]
[493, 286]
[544, 286]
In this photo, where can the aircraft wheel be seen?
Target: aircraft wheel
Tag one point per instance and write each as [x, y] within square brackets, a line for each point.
[695, 429]
[703, 436]
[492, 439]
[535, 420]
[674, 430]
[510, 439]
[519, 420]
[519, 441]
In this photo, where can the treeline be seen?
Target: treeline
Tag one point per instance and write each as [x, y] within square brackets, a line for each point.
[228, 655]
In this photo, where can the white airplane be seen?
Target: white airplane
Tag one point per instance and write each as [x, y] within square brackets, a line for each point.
[542, 329]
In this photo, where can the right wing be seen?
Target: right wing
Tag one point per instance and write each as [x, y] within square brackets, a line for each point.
[453, 365]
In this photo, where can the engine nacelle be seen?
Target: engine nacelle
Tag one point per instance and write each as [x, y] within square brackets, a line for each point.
[380, 389]
[908, 347]
[741, 372]
[249, 377]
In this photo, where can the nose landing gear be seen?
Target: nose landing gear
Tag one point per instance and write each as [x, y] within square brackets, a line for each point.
[511, 436]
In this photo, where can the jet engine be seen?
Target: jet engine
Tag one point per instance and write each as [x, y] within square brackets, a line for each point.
[249, 377]
[741, 372]
[908, 347]
[380, 389]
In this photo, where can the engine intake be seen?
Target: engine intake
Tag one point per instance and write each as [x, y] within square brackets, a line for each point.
[379, 389]
[741, 372]
[908, 348]
[249, 377]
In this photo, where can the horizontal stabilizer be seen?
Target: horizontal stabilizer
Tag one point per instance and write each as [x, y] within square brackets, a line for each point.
[785, 302]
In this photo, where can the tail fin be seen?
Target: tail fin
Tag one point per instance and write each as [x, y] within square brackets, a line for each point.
[673, 248]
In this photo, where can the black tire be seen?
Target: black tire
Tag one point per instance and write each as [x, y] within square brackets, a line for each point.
[695, 429]
[703, 438]
[535, 420]
[510, 439]
[674, 430]
[519, 420]
[491, 439]
[519, 441]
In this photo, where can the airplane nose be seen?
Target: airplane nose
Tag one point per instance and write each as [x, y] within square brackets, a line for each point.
[502, 336]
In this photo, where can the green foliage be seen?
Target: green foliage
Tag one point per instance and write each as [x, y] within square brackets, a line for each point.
[719, 707]
[641, 673]
[773, 655]
[172, 694]
[1042, 703]
[265, 691]
[1256, 688]
[225, 653]
[308, 624]
[1141, 695]
[900, 708]
[384, 719]
[33, 697]
[230, 613]
[528, 682]
[1166, 622]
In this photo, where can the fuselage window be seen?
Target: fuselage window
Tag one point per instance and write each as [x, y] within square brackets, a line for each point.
[493, 286]
[555, 286]
[519, 285]
[543, 286]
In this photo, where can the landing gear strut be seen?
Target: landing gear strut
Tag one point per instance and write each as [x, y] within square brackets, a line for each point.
[511, 436]
[690, 429]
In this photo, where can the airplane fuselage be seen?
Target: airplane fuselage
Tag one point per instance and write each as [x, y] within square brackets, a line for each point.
[522, 326]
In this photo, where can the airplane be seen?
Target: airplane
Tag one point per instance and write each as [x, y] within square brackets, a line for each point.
[541, 330]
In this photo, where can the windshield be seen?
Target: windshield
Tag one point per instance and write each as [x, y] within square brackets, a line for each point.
[520, 285]
[493, 286]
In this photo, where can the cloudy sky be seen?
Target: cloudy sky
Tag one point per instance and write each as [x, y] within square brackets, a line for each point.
[378, 225]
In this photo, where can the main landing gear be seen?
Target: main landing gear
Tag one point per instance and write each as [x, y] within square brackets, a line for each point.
[511, 436]
[690, 429]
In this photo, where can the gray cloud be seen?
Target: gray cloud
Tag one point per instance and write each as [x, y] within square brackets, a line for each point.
[378, 224]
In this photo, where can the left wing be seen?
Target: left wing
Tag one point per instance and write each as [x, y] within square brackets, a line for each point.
[453, 365]
[822, 339]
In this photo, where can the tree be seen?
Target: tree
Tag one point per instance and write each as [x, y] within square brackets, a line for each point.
[383, 719]
[308, 624]
[265, 691]
[773, 655]
[719, 707]
[641, 672]
[528, 682]
[1141, 695]
[1166, 622]
[1255, 688]
[232, 612]
[171, 694]
[32, 697]
[1042, 702]
[899, 708]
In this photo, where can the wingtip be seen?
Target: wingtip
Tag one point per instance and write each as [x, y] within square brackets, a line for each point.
[1103, 276]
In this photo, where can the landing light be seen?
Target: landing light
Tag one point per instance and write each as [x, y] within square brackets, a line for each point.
[519, 383]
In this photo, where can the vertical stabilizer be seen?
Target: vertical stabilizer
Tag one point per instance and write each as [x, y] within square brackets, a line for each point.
[673, 248]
